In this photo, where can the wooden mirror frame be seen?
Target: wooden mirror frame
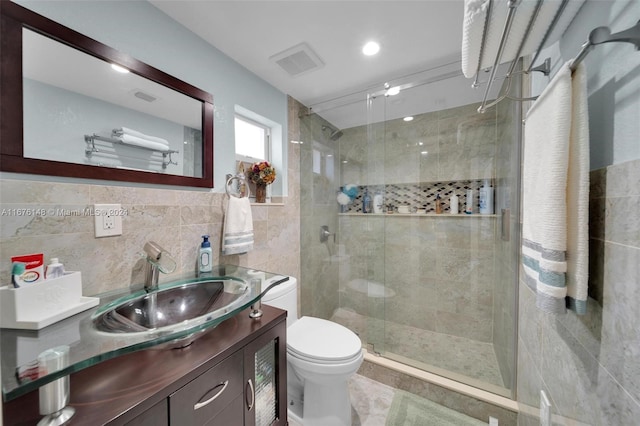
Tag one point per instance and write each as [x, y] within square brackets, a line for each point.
[13, 18]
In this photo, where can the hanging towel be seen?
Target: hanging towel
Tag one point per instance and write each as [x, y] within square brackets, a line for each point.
[556, 194]
[238, 227]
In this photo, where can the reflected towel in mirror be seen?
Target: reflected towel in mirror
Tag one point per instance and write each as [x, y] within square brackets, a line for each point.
[145, 143]
[127, 131]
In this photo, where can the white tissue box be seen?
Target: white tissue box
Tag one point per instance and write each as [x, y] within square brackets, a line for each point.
[41, 304]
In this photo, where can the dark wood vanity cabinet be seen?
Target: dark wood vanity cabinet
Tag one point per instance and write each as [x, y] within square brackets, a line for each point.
[233, 375]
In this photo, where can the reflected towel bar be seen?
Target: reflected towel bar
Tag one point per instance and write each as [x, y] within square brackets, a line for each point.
[91, 148]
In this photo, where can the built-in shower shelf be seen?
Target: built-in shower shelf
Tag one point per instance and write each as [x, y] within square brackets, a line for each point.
[421, 215]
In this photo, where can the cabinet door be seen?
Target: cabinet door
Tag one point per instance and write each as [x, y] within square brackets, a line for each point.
[265, 375]
[200, 401]
[154, 416]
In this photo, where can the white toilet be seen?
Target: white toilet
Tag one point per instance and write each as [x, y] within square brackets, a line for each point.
[321, 356]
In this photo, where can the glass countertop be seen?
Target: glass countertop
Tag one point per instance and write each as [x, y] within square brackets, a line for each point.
[84, 344]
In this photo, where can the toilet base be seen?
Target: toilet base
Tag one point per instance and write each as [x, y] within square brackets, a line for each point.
[321, 406]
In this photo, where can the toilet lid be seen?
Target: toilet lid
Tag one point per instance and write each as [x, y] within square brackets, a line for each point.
[322, 340]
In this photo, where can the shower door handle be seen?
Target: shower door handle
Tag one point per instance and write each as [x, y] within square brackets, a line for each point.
[324, 234]
[506, 224]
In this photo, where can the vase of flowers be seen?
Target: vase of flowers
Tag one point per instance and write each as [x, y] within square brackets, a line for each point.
[262, 174]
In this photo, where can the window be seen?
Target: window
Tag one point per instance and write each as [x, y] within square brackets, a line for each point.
[252, 140]
[259, 138]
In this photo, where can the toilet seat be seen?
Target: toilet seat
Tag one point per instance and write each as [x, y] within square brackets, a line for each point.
[320, 341]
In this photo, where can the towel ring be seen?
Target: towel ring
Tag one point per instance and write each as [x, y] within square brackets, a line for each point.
[238, 189]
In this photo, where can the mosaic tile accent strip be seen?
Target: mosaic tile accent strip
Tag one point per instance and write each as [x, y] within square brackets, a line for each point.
[422, 195]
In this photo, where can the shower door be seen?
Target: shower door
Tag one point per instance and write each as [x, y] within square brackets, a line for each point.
[418, 283]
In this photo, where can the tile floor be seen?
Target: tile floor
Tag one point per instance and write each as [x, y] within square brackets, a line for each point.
[424, 348]
[371, 402]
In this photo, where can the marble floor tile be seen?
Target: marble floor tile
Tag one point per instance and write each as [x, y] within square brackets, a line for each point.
[424, 348]
[372, 400]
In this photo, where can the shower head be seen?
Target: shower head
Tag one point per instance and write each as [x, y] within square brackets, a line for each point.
[335, 133]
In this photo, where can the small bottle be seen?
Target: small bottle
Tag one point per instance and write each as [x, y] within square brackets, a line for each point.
[54, 269]
[469, 202]
[204, 259]
[453, 201]
[438, 204]
[378, 203]
[486, 198]
[366, 202]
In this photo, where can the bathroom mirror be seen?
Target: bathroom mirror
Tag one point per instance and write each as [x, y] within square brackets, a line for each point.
[67, 112]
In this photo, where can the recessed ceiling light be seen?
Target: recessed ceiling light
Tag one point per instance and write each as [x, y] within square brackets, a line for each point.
[118, 68]
[371, 48]
[409, 118]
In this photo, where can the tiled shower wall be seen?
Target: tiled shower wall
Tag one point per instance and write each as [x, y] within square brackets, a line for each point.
[441, 268]
[174, 218]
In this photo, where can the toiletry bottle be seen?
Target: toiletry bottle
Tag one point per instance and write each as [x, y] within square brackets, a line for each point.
[469, 202]
[486, 198]
[55, 269]
[438, 204]
[453, 201]
[366, 202]
[204, 259]
[378, 202]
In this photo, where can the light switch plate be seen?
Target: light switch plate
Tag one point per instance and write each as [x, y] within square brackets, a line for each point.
[108, 220]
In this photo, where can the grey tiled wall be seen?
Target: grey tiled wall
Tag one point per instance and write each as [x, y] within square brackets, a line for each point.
[589, 364]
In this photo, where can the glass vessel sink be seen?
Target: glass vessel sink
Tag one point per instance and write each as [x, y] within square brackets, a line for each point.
[171, 309]
[129, 320]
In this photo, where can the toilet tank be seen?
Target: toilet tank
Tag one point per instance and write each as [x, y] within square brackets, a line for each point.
[284, 296]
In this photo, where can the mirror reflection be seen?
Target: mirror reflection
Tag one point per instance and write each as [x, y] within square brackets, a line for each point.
[79, 109]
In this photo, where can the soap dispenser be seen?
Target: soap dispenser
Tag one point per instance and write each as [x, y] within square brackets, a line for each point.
[205, 255]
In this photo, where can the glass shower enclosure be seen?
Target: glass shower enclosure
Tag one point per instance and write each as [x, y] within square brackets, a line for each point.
[418, 282]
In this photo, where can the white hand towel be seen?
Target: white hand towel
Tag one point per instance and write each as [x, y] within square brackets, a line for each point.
[238, 227]
[555, 198]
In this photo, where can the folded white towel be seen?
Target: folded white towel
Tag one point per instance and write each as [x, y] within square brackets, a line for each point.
[127, 131]
[137, 141]
[238, 227]
[555, 196]
[475, 12]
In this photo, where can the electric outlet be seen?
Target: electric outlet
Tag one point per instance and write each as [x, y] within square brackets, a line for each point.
[493, 421]
[545, 409]
[109, 222]
[108, 219]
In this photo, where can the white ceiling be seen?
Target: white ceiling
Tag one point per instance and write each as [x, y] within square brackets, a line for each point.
[414, 36]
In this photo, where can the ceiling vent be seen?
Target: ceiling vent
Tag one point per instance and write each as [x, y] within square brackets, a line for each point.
[297, 60]
[144, 96]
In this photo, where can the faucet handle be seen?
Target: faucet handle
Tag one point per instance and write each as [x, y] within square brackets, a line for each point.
[160, 257]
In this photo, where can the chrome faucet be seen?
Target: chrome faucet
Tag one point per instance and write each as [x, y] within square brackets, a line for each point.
[158, 260]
